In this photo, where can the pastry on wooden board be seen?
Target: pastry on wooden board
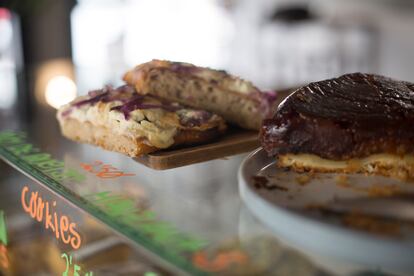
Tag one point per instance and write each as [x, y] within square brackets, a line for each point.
[122, 120]
[236, 100]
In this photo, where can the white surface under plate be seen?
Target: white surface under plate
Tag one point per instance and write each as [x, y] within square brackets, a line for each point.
[284, 209]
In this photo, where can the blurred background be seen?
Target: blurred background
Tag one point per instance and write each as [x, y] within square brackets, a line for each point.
[53, 50]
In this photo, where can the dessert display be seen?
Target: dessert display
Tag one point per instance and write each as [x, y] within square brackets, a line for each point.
[124, 121]
[354, 123]
[163, 105]
[236, 100]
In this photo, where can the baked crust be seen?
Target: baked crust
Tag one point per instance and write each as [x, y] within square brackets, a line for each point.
[401, 167]
[354, 123]
[236, 100]
[123, 121]
[103, 137]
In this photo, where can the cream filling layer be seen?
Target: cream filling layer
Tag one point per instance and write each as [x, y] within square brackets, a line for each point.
[366, 163]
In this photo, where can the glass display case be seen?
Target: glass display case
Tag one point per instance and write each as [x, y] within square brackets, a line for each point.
[74, 209]
[80, 199]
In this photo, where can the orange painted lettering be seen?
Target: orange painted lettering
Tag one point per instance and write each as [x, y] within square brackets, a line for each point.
[48, 223]
[220, 261]
[104, 171]
[56, 222]
[43, 211]
[33, 199]
[39, 211]
[25, 206]
[64, 227]
[76, 240]
[4, 260]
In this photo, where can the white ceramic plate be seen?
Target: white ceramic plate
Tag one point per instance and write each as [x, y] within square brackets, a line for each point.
[283, 209]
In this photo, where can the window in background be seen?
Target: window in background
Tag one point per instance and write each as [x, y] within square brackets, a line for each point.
[289, 43]
[276, 44]
[9, 58]
[111, 36]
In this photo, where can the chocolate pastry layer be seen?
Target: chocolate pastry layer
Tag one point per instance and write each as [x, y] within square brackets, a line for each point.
[353, 116]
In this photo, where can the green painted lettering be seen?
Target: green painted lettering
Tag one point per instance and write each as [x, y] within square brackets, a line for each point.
[73, 175]
[134, 218]
[102, 197]
[3, 228]
[8, 137]
[163, 233]
[160, 231]
[23, 149]
[117, 208]
[54, 171]
[191, 244]
[50, 164]
[36, 158]
[56, 175]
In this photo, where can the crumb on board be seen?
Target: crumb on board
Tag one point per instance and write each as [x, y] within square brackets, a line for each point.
[374, 190]
[359, 221]
[381, 191]
[342, 180]
[303, 179]
[315, 206]
[261, 182]
[371, 224]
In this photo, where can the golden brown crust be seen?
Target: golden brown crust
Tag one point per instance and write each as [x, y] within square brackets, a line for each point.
[101, 136]
[236, 100]
[394, 166]
[86, 132]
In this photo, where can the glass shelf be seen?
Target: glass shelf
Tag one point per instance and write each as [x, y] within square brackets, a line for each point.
[188, 220]
[27, 247]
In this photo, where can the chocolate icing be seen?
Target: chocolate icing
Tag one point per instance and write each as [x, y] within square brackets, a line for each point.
[354, 115]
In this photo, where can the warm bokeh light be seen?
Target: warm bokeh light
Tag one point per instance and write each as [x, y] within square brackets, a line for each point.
[54, 82]
[60, 90]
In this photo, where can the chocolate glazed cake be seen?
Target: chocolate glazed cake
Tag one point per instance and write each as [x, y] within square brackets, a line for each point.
[354, 123]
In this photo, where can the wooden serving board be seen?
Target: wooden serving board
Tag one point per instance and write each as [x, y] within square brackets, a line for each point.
[234, 142]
